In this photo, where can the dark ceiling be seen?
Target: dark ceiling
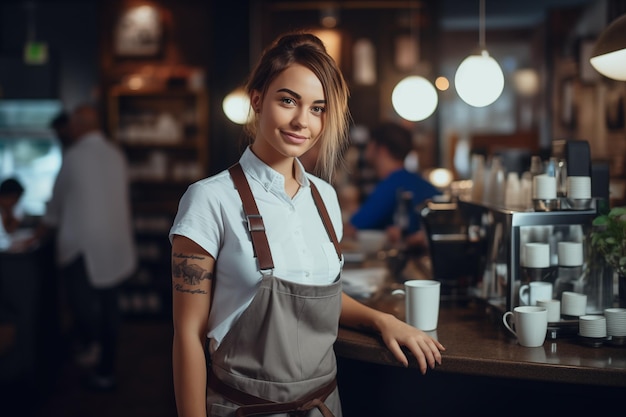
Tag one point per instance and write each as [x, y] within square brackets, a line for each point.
[464, 14]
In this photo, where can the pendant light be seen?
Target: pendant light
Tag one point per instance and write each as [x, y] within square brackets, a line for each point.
[479, 80]
[236, 106]
[609, 52]
[414, 98]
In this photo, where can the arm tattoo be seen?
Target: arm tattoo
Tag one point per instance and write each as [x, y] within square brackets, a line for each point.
[191, 274]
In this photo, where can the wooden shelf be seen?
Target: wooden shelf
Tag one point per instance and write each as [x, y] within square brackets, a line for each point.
[164, 134]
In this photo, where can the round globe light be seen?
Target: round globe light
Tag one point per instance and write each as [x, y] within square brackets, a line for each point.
[236, 106]
[440, 177]
[414, 98]
[526, 82]
[479, 80]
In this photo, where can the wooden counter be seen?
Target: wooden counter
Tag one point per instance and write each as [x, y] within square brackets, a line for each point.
[483, 368]
[477, 344]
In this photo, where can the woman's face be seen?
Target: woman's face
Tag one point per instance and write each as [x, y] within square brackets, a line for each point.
[291, 115]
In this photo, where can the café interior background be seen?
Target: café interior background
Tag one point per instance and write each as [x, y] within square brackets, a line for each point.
[569, 100]
[57, 53]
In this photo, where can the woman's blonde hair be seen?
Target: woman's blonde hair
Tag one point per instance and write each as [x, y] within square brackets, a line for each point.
[309, 51]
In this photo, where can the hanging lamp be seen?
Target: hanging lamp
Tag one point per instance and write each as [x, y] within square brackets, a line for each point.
[479, 80]
[414, 98]
[609, 52]
[236, 106]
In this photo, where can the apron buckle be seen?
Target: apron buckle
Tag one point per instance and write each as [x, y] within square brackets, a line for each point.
[255, 223]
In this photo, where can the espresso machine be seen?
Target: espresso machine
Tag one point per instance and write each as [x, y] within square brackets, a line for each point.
[507, 232]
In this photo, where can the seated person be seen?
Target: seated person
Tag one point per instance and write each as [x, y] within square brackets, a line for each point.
[386, 152]
[10, 193]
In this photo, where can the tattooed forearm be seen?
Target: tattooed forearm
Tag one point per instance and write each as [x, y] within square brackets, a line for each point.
[191, 274]
[179, 288]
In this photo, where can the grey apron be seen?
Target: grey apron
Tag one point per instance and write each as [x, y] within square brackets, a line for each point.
[278, 357]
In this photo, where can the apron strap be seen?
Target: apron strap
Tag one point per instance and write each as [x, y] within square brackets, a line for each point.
[325, 218]
[260, 245]
[255, 220]
[251, 405]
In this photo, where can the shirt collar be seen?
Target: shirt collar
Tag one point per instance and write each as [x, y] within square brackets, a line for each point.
[266, 175]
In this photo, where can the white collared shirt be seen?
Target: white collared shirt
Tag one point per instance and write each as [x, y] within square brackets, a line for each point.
[90, 208]
[210, 214]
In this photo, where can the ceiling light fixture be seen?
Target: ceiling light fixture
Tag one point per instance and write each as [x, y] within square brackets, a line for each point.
[479, 80]
[609, 53]
[236, 106]
[414, 98]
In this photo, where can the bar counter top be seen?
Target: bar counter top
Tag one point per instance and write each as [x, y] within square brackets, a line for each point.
[478, 344]
[484, 370]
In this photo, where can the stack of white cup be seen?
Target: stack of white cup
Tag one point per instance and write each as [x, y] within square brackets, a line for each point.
[536, 255]
[534, 260]
[570, 254]
[615, 321]
[570, 267]
[592, 325]
[579, 192]
[573, 304]
[544, 187]
[544, 193]
[579, 188]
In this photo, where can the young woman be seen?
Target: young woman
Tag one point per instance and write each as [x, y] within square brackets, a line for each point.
[267, 311]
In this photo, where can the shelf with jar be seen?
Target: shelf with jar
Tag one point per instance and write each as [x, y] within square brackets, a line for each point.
[163, 132]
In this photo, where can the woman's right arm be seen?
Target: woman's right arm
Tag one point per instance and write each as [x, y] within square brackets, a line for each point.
[192, 278]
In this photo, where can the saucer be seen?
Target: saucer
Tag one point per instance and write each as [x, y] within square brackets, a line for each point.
[616, 341]
[592, 341]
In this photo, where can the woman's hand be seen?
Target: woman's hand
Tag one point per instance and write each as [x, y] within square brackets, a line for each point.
[396, 333]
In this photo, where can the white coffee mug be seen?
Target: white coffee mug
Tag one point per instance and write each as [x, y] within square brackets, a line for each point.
[422, 303]
[536, 290]
[529, 325]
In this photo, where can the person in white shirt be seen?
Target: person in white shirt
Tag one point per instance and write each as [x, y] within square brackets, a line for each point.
[262, 291]
[91, 215]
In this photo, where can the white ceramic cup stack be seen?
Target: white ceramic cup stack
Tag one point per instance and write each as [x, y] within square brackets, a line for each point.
[615, 321]
[536, 255]
[544, 187]
[553, 307]
[592, 325]
[573, 304]
[570, 253]
[578, 188]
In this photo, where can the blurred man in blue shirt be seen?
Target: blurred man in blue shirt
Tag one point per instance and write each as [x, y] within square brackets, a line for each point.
[386, 152]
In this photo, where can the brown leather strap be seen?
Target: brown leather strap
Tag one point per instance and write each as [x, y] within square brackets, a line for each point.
[251, 405]
[256, 227]
[255, 220]
[328, 224]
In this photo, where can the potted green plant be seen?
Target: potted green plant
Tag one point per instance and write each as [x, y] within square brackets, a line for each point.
[608, 240]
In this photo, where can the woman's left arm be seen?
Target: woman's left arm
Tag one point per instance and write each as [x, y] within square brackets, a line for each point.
[395, 333]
